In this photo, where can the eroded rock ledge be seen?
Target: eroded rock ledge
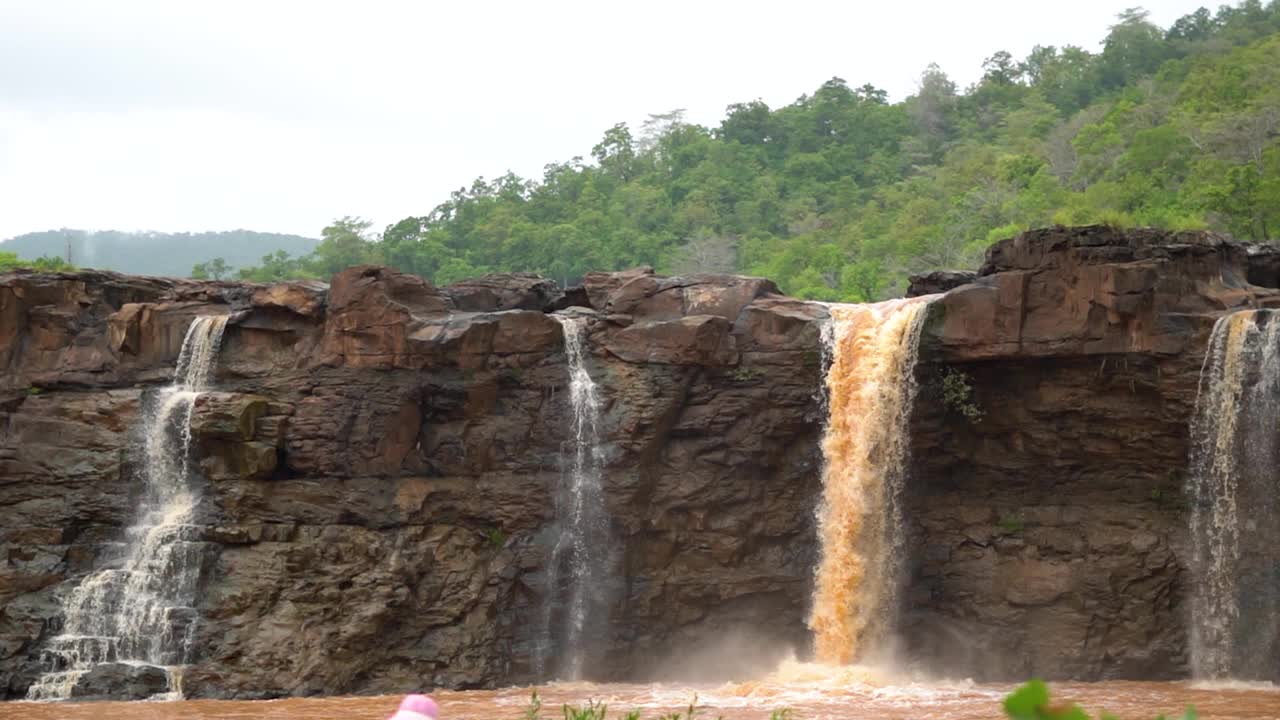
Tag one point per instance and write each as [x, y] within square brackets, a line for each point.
[380, 459]
[1051, 533]
[380, 455]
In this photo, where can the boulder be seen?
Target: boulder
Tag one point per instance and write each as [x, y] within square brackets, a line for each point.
[372, 313]
[600, 286]
[724, 295]
[304, 297]
[506, 291]
[693, 340]
[938, 281]
[120, 681]
[644, 296]
[227, 416]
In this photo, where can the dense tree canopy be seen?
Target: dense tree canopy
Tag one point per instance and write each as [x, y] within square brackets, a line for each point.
[841, 194]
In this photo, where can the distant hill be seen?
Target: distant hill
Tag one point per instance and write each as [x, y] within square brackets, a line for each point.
[155, 253]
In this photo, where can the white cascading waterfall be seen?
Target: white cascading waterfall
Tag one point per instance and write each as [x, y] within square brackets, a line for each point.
[141, 612]
[1235, 585]
[870, 354]
[580, 555]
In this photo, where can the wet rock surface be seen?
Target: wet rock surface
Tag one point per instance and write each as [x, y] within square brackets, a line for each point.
[379, 460]
[378, 464]
[120, 681]
[1050, 525]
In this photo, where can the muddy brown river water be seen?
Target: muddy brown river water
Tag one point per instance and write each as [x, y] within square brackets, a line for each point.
[842, 695]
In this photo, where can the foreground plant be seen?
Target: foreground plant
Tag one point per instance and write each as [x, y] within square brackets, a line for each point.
[599, 711]
[1028, 702]
[1031, 702]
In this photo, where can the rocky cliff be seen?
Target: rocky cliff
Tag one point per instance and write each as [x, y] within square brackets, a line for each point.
[378, 462]
[1048, 507]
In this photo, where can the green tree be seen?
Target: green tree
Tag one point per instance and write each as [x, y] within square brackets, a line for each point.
[1134, 47]
[216, 269]
[275, 267]
[343, 243]
[841, 194]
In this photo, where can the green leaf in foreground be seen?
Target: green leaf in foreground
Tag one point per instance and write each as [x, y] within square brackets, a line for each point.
[1031, 702]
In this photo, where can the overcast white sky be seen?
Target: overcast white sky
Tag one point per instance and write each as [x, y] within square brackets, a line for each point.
[280, 115]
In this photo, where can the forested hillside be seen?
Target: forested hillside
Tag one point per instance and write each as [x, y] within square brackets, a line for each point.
[151, 253]
[842, 193]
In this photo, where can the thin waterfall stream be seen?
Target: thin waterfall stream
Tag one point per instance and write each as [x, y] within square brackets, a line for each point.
[580, 555]
[1235, 592]
[142, 611]
[871, 355]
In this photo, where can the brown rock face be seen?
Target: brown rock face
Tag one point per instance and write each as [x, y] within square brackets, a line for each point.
[514, 291]
[1051, 534]
[938, 281]
[378, 460]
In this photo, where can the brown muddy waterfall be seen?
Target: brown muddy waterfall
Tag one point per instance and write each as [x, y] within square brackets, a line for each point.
[870, 387]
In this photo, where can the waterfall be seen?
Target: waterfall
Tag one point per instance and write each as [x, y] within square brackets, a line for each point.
[142, 613]
[871, 356]
[580, 556]
[1235, 590]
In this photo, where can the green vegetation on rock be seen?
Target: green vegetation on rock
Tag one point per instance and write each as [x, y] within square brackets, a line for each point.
[1010, 523]
[841, 194]
[957, 395]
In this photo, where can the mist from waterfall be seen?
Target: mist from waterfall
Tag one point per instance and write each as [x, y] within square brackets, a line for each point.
[870, 352]
[1235, 587]
[577, 572]
[141, 612]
